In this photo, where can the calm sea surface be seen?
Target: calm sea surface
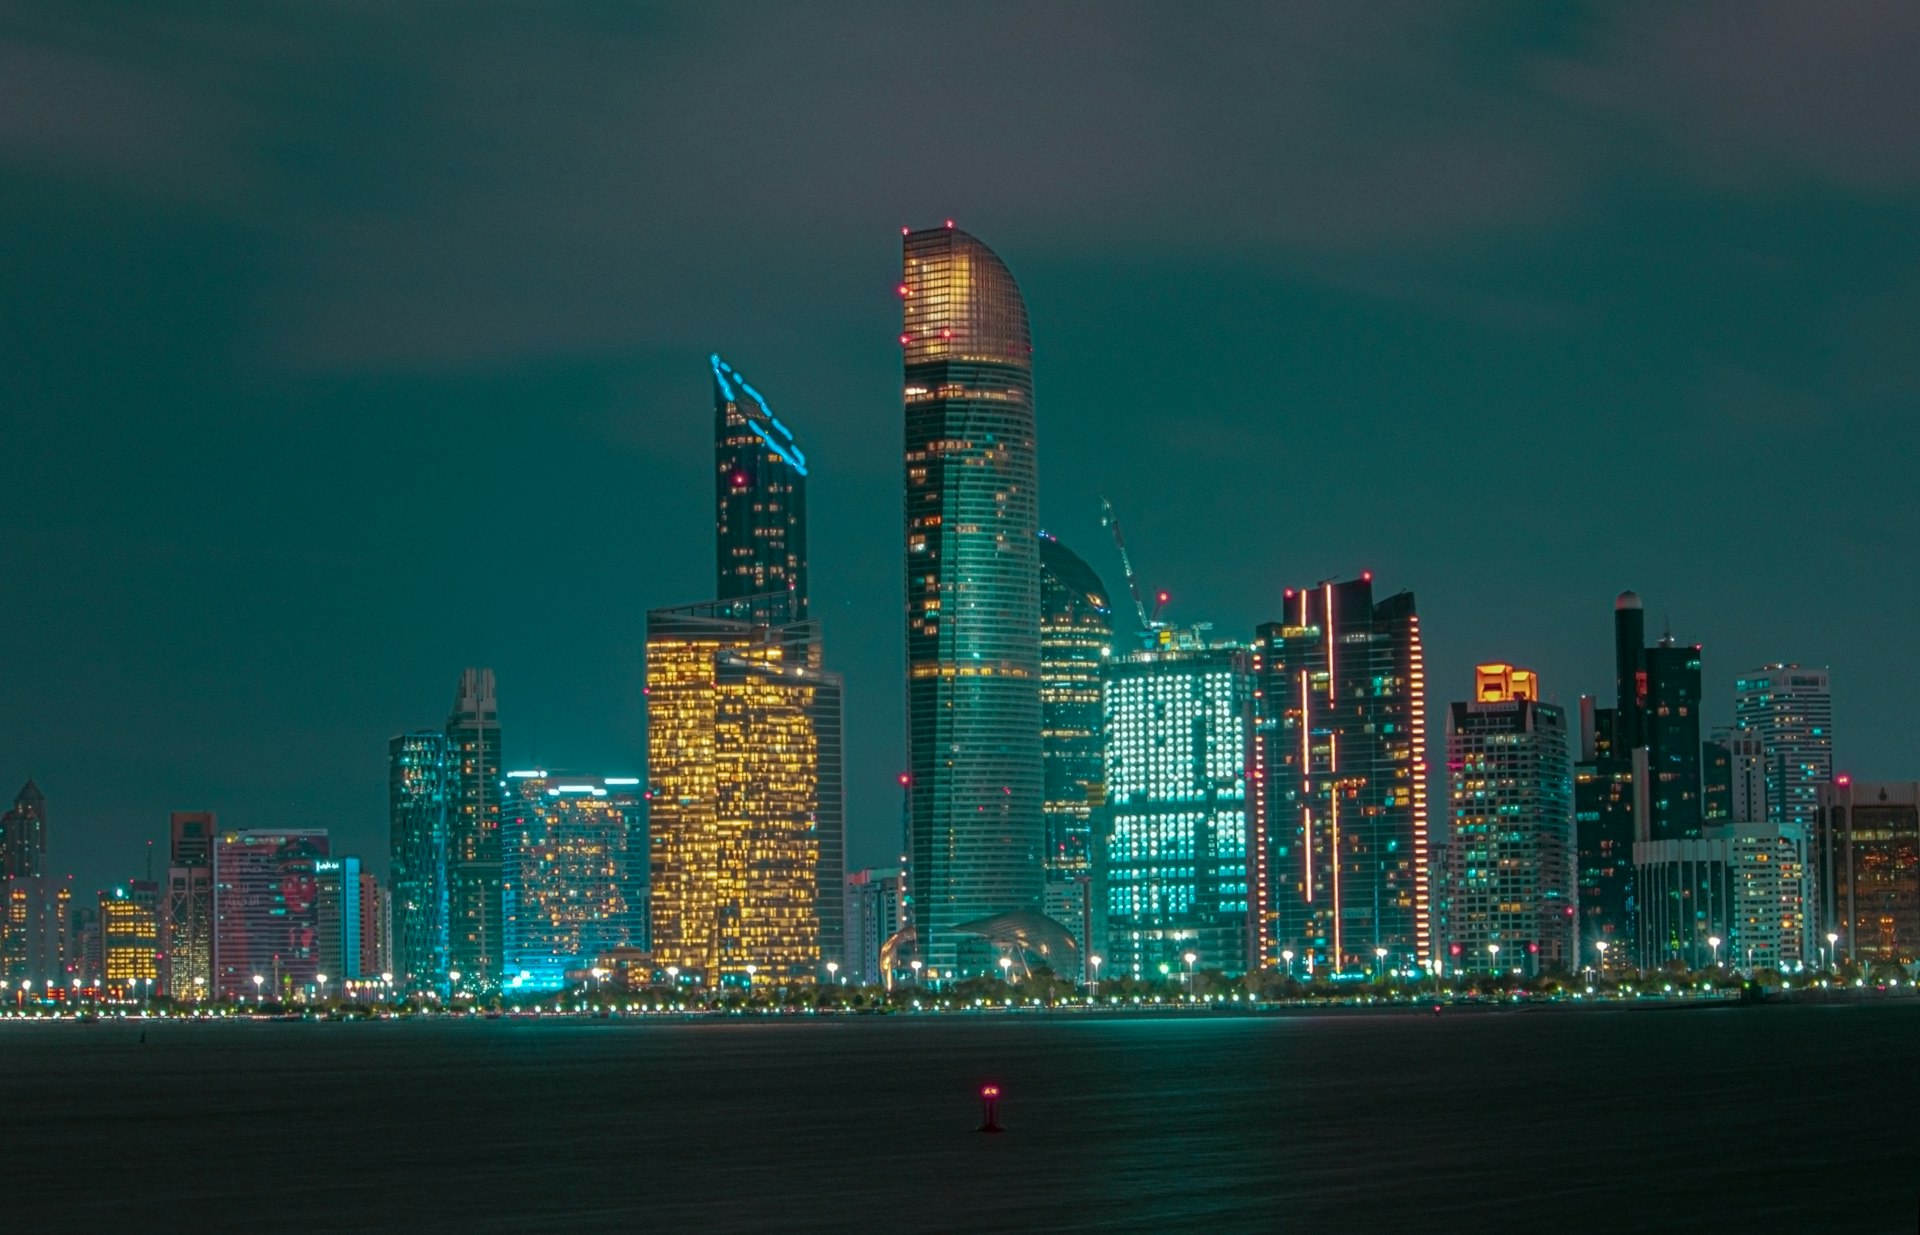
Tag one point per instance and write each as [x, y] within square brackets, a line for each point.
[1788, 1119]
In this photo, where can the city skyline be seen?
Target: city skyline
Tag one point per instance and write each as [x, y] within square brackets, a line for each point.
[1538, 277]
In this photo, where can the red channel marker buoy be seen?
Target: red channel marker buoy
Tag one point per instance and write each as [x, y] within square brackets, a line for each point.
[989, 1101]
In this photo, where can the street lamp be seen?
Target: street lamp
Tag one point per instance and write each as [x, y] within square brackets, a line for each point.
[258, 982]
[751, 970]
[1287, 956]
[1495, 949]
[1189, 958]
[916, 964]
[199, 987]
[673, 974]
[833, 971]
[322, 979]
[1095, 961]
[1833, 950]
[1714, 942]
[1380, 962]
[1006, 969]
[453, 987]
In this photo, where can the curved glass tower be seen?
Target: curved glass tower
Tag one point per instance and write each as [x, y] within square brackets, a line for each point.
[1076, 638]
[976, 834]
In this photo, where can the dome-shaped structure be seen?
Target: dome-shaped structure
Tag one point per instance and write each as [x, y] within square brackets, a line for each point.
[1627, 600]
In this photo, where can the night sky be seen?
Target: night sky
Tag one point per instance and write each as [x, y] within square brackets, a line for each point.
[347, 345]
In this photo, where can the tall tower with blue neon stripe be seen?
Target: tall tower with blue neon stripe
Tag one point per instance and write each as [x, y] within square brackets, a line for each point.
[760, 484]
[976, 830]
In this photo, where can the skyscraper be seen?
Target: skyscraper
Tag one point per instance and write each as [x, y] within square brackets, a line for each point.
[419, 810]
[23, 835]
[130, 939]
[743, 758]
[1733, 778]
[1076, 637]
[475, 928]
[1608, 783]
[1341, 768]
[761, 483]
[187, 917]
[1790, 709]
[266, 910]
[1172, 873]
[575, 855]
[1510, 857]
[1670, 728]
[973, 595]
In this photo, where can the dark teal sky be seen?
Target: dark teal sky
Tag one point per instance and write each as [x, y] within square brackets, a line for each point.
[344, 349]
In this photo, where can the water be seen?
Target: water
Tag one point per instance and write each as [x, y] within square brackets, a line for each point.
[1790, 1119]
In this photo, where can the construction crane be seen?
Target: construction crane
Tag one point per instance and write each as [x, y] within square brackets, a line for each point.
[1149, 624]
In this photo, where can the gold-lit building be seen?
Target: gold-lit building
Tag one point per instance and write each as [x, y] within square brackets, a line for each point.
[130, 939]
[743, 751]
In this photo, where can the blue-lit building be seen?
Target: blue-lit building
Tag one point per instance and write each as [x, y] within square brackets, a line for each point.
[1172, 877]
[760, 488]
[977, 832]
[419, 789]
[1076, 638]
[574, 874]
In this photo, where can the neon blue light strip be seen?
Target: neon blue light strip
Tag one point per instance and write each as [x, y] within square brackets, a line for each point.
[787, 450]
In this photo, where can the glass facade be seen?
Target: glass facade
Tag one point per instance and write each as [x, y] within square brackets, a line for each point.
[760, 480]
[575, 854]
[977, 833]
[419, 788]
[1510, 854]
[746, 816]
[1076, 638]
[187, 917]
[266, 912]
[1173, 872]
[1342, 773]
[1869, 858]
[475, 925]
[1671, 724]
[1790, 709]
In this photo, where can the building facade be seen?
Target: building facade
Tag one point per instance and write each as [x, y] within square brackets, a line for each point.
[575, 849]
[187, 910]
[266, 912]
[1790, 709]
[1341, 774]
[1733, 773]
[1173, 874]
[1076, 638]
[419, 792]
[130, 940]
[761, 492]
[23, 835]
[746, 814]
[1771, 896]
[476, 928]
[973, 596]
[1510, 859]
[875, 913]
[1868, 858]
[36, 931]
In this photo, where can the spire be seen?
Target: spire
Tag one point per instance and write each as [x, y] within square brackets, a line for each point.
[29, 795]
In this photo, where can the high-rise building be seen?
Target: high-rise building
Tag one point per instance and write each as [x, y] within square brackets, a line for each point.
[187, 916]
[1790, 709]
[1607, 784]
[266, 912]
[1687, 899]
[973, 596]
[1341, 772]
[420, 786]
[875, 914]
[1670, 727]
[761, 484]
[376, 928]
[1733, 774]
[1076, 637]
[130, 939]
[1869, 868]
[746, 815]
[1510, 859]
[23, 835]
[1771, 894]
[36, 941]
[575, 854]
[1172, 875]
[340, 886]
[475, 927]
